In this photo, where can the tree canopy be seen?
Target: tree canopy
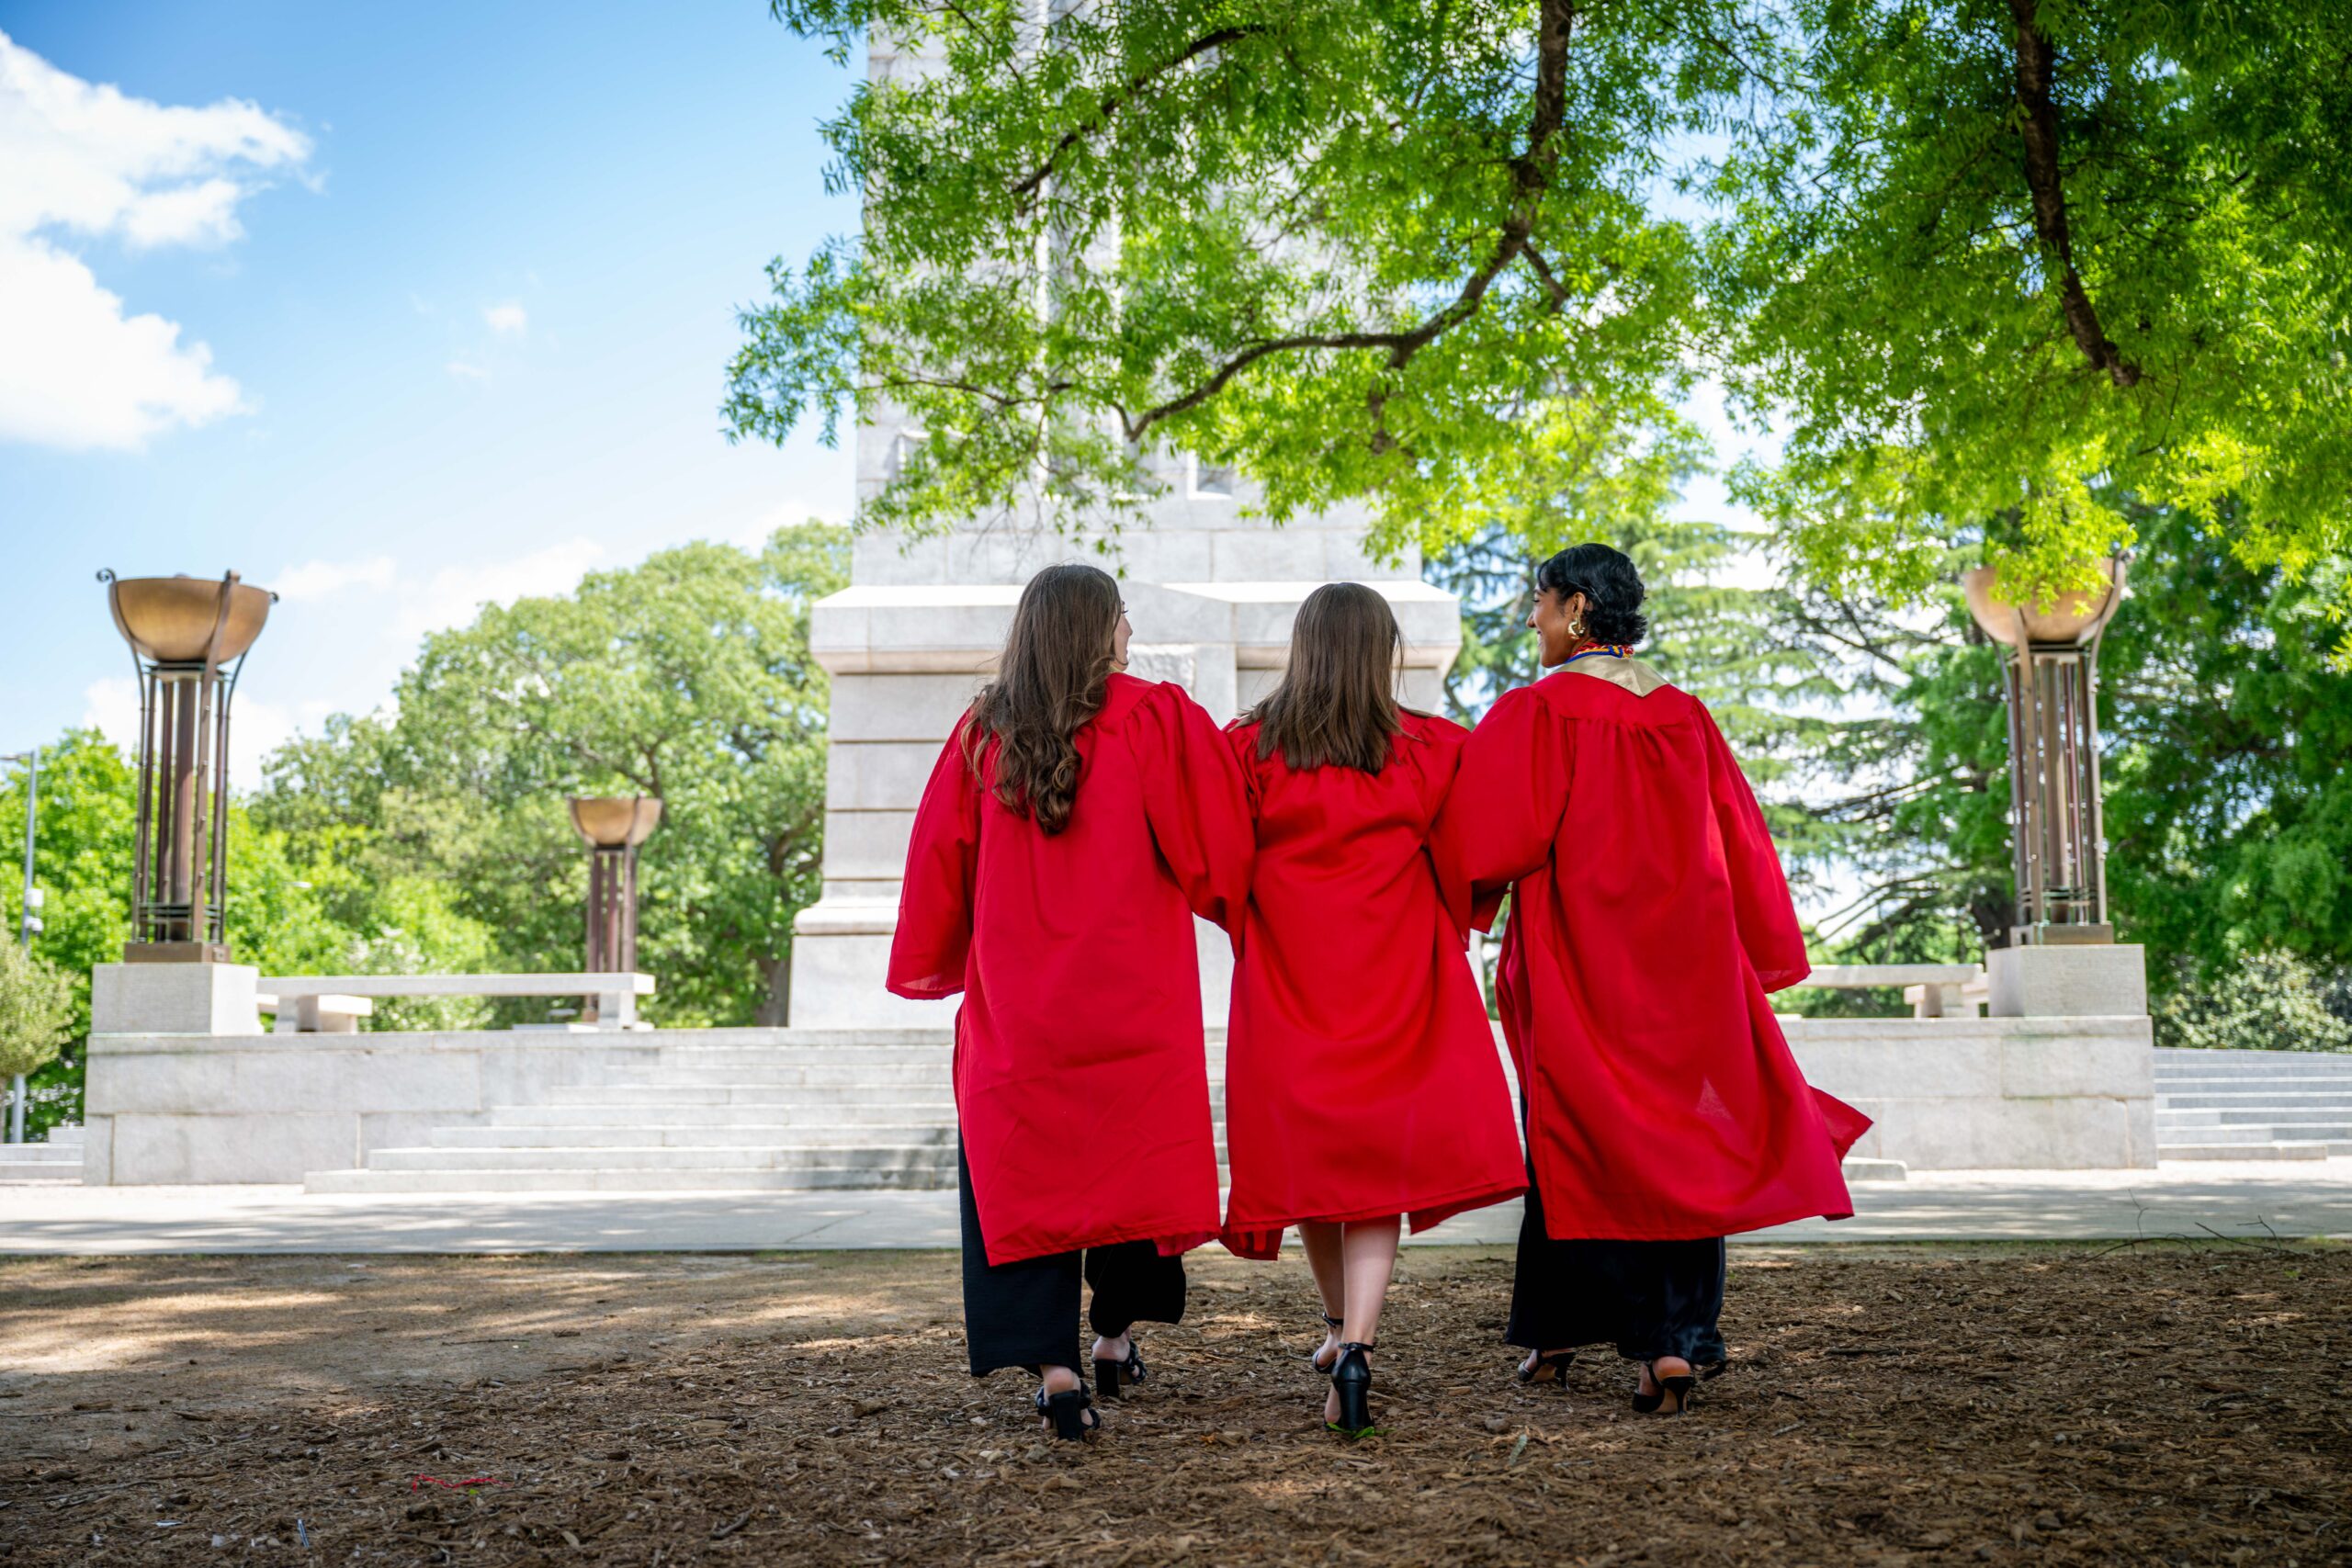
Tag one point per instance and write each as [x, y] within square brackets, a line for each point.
[1989, 263]
[1995, 265]
[687, 678]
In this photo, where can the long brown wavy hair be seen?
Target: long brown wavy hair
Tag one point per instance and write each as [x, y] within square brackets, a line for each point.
[1337, 701]
[1056, 666]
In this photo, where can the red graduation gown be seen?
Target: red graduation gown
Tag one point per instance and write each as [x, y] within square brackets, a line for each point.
[1362, 1079]
[1081, 1074]
[1649, 916]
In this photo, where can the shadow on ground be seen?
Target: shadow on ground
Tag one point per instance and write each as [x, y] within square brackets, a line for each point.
[2141, 1404]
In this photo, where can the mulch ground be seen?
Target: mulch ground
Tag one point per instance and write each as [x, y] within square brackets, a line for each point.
[2185, 1405]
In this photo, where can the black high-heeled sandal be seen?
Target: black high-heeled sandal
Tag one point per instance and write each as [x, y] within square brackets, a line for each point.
[1351, 1378]
[1548, 1370]
[1073, 1414]
[1314, 1356]
[1654, 1403]
[1108, 1371]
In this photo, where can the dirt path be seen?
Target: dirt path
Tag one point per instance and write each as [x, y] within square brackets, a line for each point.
[1954, 1404]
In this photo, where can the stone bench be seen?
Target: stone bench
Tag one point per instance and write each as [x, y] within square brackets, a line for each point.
[1934, 990]
[333, 1004]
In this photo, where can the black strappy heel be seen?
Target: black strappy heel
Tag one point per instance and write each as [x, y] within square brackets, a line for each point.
[1107, 1372]
[1679, 1387]
[1072, 1414]
[1549, 1370]
[1351, 1377]
[1314, 1356]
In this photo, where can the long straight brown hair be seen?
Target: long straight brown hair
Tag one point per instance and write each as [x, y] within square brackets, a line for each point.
[1337, 701]
[1052, 678]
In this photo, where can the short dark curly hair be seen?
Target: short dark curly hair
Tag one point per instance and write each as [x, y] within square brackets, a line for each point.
[1611, 588]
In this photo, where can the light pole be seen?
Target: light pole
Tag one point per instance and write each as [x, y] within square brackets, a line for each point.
[614, 827]
[2055, 818]
[31, 921]
[188, 639]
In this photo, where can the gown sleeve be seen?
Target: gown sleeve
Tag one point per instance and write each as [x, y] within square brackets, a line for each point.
[1766, 915]
[1197, 803]
[1504, 809]
[935, 931]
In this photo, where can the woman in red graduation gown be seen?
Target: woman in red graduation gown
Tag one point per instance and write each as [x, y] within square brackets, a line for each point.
[1361, 1081]
[1074, 825]
[1649, 918]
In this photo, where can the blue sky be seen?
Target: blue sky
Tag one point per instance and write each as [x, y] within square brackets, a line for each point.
[466, 275]
[392, 309]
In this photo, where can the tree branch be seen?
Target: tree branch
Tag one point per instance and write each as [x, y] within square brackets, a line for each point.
[1530, 178]
[2037, 61]
[1111, 102]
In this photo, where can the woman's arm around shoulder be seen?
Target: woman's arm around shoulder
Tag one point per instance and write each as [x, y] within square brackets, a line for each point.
[1503, 810]
[1198, 800]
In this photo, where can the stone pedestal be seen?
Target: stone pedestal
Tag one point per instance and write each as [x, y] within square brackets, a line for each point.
[173, 998]
[2068, 981]
[1211, 596]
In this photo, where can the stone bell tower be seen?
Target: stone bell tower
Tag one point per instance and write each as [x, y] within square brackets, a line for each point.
[1211, 595]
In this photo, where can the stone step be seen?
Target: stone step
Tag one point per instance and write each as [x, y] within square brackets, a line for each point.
[2219, 1079]
[801, 1178]
[676, 1057]
[2261, 1116]
[925, 1109]
[2283, 1130]
[2298, 1099]
[623, 1095]
[2242, 1151]
[757, 1135]
[18, 1172]
[717, 1090]
[2261, 1072]
[781, 1073]
[930, 1155]
[1857, 1170]
[37, 1153]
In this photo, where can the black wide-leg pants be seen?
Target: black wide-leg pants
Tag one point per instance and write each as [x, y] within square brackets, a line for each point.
[1026, 1314]
[1647, 1298]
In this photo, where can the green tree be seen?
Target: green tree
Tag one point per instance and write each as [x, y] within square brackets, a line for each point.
[687, 678]
[282, 917]
[2019, 260]
[2229, 805]
[2228, 811]
[2265, 1001]
[36, 1010]
[1985, 259]
[1382, 252]
[82, 847]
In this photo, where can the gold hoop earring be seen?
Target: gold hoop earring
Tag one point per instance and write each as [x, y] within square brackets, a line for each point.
[1576, 628]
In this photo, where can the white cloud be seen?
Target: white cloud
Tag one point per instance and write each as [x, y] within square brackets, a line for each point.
[507, 319]
[465, 370]
[454, 594]
[317, 579]
[111, 707]
[87, 160]
[76, 372]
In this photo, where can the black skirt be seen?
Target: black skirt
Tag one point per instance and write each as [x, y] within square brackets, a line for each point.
[1026, 1314]
[1647, 1298]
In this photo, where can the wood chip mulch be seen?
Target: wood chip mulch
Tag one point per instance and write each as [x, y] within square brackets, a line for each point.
[2145, 1404]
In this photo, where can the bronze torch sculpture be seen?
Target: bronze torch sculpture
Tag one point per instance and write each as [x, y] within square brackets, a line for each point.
[188, 639]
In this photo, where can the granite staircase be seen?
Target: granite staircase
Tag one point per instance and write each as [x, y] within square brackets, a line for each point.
[800, 1110]
[57, 1161]
[2253, 1104]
